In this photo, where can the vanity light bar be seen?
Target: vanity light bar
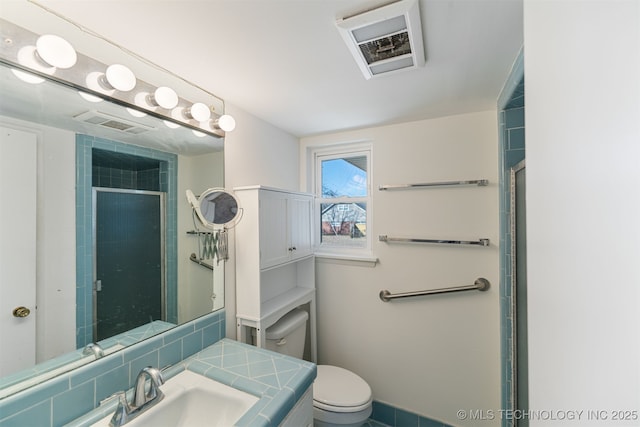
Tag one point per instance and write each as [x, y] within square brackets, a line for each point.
[21, 50]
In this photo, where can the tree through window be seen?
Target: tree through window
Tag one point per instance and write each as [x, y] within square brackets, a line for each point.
[343, 196]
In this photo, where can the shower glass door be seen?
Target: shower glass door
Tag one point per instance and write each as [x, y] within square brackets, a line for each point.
[129, 262]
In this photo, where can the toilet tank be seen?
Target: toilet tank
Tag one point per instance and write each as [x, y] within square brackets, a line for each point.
[287, 335]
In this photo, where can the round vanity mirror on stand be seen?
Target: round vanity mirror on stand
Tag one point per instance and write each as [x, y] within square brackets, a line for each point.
[216, 208]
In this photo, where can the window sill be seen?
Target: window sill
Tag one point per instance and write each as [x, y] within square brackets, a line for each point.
[363, 261]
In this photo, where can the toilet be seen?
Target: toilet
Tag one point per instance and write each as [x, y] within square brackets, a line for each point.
[340, 397]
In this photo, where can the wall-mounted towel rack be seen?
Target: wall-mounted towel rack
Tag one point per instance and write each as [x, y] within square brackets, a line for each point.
[479, 242]
[207, 246]
[478, 182]
[195, 259]
[480, 284]
[200, 233]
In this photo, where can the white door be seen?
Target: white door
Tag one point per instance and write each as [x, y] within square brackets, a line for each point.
[18, 173]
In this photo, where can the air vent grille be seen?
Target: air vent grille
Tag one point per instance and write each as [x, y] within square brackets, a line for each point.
[386, 39]
[112, 122]
[386, 47]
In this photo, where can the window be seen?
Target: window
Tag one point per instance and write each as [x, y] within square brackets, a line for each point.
[342, 187]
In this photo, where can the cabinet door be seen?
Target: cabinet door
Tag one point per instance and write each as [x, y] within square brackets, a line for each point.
[274, 226]
[300, 209]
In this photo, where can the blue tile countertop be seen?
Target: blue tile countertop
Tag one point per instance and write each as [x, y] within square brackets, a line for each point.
[279, 380]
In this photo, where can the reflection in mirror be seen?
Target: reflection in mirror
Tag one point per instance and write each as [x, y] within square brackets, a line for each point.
[63, 156]
[217, 210]
[215, 207]
[218, 207]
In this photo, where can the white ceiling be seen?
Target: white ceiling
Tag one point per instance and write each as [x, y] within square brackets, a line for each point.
[285, 62]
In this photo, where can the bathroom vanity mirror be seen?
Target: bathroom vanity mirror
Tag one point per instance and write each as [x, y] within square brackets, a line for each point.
[79, 149]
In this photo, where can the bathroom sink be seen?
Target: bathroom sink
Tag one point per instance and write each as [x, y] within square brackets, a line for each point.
[191, 399]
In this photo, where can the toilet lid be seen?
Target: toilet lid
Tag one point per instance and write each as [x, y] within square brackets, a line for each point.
[338, 387]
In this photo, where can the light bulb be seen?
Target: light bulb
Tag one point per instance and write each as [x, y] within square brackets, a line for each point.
[164, 97]
[119, 77]
[141, 100]
[95, 82]
[198, 133]
[27, 77]
[56, 51]
[226, 122]
[198, 111]
[171, 125]
[136, 113]
[88, 97]
[178, 114]
[27, 57]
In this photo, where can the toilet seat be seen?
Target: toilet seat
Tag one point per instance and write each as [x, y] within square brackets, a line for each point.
[339, 390]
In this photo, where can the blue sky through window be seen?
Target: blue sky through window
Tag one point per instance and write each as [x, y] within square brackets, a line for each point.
[341, 178]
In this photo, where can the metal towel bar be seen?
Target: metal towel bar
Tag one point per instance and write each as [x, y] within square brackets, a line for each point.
[479, 242]
[481, 284]
[478, 182]
[207, 243]
[195, 259]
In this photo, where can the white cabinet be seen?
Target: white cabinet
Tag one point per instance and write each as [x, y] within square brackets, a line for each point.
[285, 226]
[275, 266]
[302, 414]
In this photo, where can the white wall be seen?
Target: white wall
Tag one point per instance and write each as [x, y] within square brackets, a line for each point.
[196, 284]
[256, 152]
[582, 70]
[430, 355]
[56, 243]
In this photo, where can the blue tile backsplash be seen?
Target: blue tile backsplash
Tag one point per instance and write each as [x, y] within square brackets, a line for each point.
[53, 367]
[68, 396]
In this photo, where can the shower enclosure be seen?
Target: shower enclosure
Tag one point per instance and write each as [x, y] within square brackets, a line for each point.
[518, 221]
[513, 254]
[129, 260]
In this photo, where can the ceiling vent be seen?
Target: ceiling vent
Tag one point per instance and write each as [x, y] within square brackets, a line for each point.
[385, 40]
[112, 122]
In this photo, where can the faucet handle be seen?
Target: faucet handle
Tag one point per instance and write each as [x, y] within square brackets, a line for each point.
[121, 416]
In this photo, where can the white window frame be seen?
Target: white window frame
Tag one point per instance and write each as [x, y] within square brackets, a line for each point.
[338, 152]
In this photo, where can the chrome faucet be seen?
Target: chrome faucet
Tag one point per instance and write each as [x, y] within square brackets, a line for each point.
[93, 348]
[142, 399]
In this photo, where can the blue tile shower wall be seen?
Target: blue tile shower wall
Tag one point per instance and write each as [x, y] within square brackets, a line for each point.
[514, 136]
[84, 234]
[120, 178]
[511, 109]
[68, 396]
